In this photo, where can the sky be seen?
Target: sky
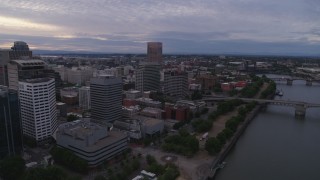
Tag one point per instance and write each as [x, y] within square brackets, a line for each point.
[284, 27]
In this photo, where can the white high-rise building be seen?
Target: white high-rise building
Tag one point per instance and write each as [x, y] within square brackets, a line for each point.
[38, 108]
[84, 98]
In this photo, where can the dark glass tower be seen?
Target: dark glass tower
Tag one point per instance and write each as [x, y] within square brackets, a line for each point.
[10, 123]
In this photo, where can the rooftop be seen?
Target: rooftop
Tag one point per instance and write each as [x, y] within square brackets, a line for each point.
[30, 62]
[82, 131]
[36, 80]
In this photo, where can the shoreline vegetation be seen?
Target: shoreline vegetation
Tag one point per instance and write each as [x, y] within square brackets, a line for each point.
[231, 128]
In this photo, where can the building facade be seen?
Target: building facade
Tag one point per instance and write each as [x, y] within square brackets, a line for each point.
[176, 84]
[10, 123]
[19, 50]
[38, 108]
[106, 99]
[148, 77]
[24, 69]
[84, 98]
[154, 53]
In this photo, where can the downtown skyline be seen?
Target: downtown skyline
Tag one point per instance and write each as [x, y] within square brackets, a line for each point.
[288, 27]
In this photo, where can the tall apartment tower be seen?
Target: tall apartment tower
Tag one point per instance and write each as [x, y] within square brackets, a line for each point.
[154, 53]
[84, 98]
[106, 99]
[148, 77]
[38, 108]
[176, 83]
[10, 123]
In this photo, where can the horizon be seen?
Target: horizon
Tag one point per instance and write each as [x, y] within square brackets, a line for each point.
[285, 28]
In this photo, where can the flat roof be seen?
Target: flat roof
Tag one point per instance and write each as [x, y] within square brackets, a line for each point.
[86, 128]
[30, 62]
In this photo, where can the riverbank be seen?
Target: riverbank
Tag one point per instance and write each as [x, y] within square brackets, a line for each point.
[226, 149]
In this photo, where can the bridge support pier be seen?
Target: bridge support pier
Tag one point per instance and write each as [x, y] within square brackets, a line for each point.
[289, 82]
[300, 112]
[309, 82]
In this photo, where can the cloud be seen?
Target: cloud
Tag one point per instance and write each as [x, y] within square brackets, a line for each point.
[110, 24]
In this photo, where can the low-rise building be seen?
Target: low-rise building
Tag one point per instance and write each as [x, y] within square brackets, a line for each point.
[176, 112]
[193, 105]
[140, 126]
[148, 102]
[129, 112]
[133, 94]
[90, 141]
[152, 112]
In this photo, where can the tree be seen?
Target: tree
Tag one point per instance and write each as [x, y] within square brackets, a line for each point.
[12, 168]
[228, 133]
[156, 168]
[197, 114]
[50, 173]
[222, 137]
[99, 177]
[68, 159]
[213, 146]
[204, 110]
[135, 165]
[72, 117]
[242, 111]
[150, 159]
[183, 132]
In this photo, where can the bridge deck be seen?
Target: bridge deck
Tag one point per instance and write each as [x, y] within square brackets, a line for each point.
[277, 102]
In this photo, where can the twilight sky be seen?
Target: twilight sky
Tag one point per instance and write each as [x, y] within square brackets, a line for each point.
[287, 27]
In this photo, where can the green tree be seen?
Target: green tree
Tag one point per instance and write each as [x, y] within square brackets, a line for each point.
[50, 173]
[150, 159]
[156, 168]
[228, 133]
[183, 132]
[222, 137]
[72, 117]
[135, 165]
[12, 168]
[213, 146]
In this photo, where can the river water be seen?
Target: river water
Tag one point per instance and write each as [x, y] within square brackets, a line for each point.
[276, 146]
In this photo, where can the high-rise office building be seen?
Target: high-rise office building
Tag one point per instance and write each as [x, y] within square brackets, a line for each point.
[84, 98]
[148, 77]
[106, 99]
[176, 83]
[20, 50]
[10, 123]
[38, 108]
[154, 53]
[24, 69]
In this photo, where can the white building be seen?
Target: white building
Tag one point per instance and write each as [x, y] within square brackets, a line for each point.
[79, 75]
[84, 98]
[38, 108]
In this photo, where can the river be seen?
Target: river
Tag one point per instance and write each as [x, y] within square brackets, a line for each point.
[276, 146]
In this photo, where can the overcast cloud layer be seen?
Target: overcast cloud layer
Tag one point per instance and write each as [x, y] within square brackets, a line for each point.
[184, 26]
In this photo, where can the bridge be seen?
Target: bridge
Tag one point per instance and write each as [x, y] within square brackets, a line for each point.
[289, 80]
[300, 106]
